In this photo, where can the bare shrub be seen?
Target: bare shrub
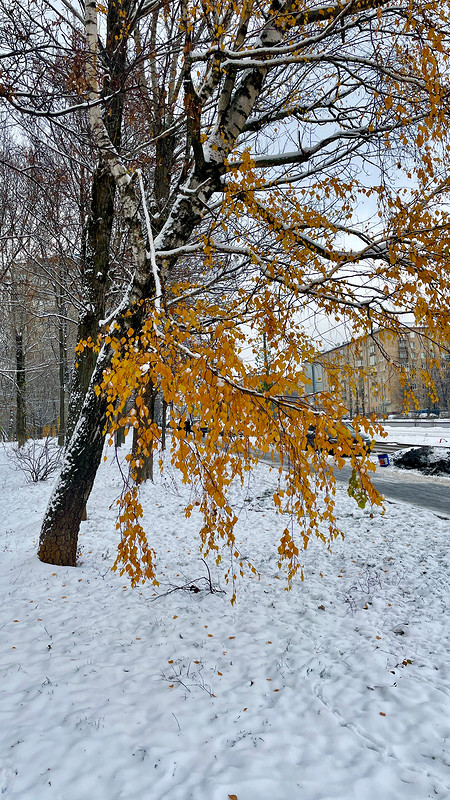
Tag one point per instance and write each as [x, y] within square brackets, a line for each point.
[37, 458]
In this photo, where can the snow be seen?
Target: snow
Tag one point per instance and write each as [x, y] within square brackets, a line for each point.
[336, 690]
[435, 436]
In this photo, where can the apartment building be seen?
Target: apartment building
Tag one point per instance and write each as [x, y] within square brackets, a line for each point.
[378, 373]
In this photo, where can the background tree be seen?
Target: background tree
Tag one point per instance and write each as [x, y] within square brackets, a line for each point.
[39, 287]
[297, 153]
[17, 226]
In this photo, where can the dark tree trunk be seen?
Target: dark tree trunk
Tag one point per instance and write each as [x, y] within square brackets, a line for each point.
[95, 261]
[163, 424]
[120, 437]
[21, 408]
[59, 534]
[145, 471]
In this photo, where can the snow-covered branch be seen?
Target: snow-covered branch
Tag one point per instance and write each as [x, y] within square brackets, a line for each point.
[151, 254]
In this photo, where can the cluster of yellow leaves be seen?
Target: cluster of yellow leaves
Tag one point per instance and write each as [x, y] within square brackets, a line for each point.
[134, 556]
[245, 415]
[88, 344]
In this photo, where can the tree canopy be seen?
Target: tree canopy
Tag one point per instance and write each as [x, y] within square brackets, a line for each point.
[260, 163]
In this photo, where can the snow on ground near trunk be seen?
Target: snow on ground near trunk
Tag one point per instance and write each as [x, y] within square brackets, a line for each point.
[337, 690]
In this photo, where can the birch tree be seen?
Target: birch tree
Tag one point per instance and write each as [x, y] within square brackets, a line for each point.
[271, 161]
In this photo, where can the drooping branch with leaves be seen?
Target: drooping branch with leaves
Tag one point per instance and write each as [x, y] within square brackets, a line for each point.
[271, 161]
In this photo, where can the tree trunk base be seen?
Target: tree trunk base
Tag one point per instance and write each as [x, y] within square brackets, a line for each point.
[59, 546]
[58, 543]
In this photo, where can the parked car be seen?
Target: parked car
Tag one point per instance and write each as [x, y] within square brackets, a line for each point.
[333, 438]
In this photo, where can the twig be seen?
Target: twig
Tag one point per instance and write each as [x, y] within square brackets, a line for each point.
[191, 586]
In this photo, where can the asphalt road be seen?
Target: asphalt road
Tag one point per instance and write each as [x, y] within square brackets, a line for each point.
[424, 491]
[421, 490]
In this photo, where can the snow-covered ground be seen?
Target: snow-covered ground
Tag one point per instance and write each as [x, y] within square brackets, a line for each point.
[336, 690]
[434, 436]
